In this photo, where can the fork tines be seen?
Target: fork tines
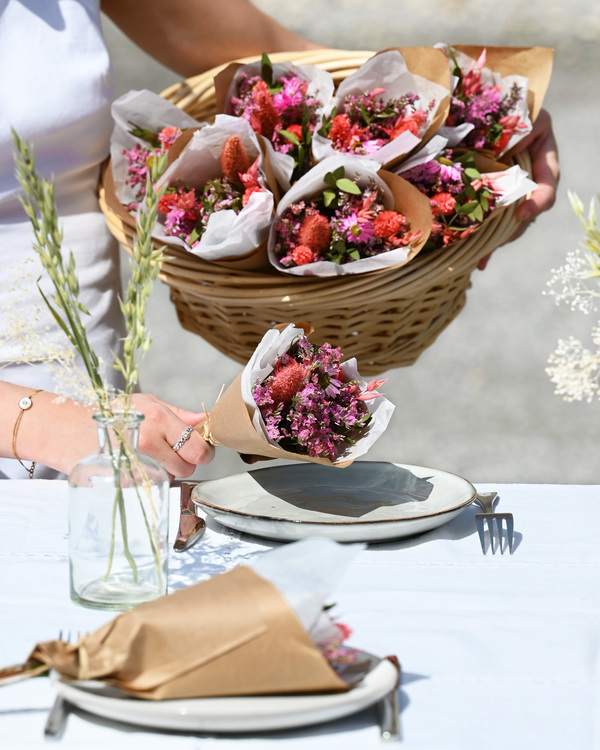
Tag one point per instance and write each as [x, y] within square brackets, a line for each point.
[500, 536]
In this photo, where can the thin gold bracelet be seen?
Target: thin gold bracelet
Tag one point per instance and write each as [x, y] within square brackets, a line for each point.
[24, 404]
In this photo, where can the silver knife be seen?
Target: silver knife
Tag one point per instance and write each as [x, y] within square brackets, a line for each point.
[57, 719]
[191, 526]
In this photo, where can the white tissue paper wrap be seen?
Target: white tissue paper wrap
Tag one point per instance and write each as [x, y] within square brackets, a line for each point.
[148, 110]
[273, 345]
[386, 70]
[306, 572]
[228, 234]
[509, 185]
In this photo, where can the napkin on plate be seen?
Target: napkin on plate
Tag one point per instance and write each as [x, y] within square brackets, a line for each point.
[244, 632]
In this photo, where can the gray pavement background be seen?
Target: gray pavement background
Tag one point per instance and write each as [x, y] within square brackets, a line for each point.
[478, 402]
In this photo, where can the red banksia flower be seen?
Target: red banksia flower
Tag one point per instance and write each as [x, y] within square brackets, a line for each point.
[234, 159]
[266, 115]
[315, 232]
[287, 381]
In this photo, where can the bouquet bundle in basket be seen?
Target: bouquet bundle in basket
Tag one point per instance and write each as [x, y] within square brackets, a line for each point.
[464, 188]
[352, 167]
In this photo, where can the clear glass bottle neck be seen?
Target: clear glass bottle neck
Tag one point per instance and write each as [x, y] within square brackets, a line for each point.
[121, 429]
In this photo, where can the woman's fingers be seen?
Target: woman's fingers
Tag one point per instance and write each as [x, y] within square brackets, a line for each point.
[545, 171]
[165, 427]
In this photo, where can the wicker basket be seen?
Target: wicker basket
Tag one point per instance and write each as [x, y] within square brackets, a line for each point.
[384, 319]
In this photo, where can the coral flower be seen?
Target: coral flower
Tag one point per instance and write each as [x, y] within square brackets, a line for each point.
[340, 129]
[168, 136]
[387, 224]
[443, 202]
[302, 254]
[234, 159]
[265, 118]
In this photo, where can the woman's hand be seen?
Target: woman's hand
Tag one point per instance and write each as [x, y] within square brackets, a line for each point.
[58, 432]
[545, 172]
[161, 429]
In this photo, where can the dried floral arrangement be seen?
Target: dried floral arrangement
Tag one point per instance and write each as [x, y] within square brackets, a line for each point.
[573, 368]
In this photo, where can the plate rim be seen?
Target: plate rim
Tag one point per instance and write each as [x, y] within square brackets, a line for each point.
[336, 705]
[358, 522]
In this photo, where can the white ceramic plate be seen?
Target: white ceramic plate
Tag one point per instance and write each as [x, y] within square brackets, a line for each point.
[244, 714]
[368, 501]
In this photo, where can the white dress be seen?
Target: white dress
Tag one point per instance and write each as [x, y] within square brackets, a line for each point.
[56, 92]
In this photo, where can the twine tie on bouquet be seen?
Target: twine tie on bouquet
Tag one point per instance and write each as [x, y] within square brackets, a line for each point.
[82, 656]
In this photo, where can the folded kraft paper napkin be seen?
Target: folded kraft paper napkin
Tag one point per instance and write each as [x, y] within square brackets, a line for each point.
[251, 631]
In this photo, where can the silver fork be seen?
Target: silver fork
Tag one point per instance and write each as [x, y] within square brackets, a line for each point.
[59, 712]
[493, 522]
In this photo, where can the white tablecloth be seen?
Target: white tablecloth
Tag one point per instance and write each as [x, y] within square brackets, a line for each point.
[497, 651]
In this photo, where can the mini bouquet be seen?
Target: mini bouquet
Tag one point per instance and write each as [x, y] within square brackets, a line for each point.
[145, 125]
[296, 400]
[463, 188]
[347, 216]
[383, 111]
[283, 103]
[248, 622]
[217, 202]
[493, 103]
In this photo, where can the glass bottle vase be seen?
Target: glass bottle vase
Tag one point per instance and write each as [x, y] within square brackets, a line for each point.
[118, 520]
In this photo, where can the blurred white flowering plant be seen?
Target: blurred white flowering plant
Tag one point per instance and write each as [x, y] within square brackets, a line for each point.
[573, 368]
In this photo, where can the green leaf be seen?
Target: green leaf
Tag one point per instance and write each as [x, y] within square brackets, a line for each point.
[478, 213]
[466, 208]
[266, 69]
[472, 173]
[290, 136]
[347, 186]
[328, 197]
[145, 134]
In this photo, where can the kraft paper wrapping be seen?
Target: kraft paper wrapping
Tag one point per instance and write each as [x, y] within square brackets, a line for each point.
[234, 634]
[533, 63]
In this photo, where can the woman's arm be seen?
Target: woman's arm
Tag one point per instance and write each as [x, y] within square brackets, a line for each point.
[58, 432]
[191, 36]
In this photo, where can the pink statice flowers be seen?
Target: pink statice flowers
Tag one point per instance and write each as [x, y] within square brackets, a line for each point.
[138, 157]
